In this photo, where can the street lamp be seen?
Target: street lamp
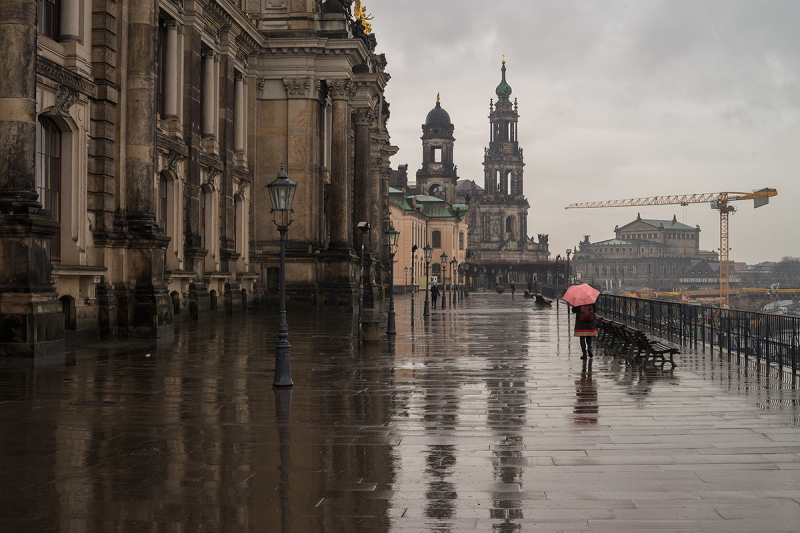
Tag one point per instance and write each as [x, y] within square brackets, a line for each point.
[453, 281]
[443, 257]
[569, 272]
[413, 289]
[557, 258]
[391, 241]
[364, 227]
[281, 195]
[428, 254]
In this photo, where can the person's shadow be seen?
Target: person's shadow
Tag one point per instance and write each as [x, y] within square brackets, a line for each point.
[586, 408]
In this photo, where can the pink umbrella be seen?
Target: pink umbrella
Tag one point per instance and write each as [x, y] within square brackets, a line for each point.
[582, 294]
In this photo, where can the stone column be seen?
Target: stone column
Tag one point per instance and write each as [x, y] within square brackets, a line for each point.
[238, 115]
[341, 91]
[70, 21]
[362, 189]
[171, 71]
[208, 93]
[31, 321]
[152, 312]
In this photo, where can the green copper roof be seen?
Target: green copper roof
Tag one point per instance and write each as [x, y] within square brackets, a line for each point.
[503, 90]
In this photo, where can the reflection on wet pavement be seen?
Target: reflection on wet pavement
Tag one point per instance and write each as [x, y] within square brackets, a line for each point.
[479, 418]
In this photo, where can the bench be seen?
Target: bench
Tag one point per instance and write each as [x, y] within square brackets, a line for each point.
[633, 345]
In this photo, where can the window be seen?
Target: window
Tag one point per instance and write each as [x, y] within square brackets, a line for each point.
[604, 270]
[49, 17]
[436, 239]
[597, 270]
[437, 154]
[237, 217]
[203, 202]
[630, 271]
[436, 269]
[509, 224]
[162, 203]
[461, 241]
[48, 176]
[161, 56]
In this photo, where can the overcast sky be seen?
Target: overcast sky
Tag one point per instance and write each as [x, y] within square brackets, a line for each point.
[617, 99]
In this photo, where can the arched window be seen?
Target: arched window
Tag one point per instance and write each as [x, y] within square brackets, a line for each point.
[163, 203]
[604, 270]
[630, 271]
[597, 270]
[436, 239]
[48, 176]
[49, 18]
[203, 217]
[237, 219]
[509, 224]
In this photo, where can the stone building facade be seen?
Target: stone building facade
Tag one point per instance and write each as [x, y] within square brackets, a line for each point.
[136, 142]
[644, 253]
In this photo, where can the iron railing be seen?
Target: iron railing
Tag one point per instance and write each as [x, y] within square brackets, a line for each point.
[762, 338]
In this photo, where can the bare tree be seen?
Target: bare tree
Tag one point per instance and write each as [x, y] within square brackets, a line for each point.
[788, 270]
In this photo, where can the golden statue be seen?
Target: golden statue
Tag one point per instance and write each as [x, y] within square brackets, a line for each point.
[360, 13]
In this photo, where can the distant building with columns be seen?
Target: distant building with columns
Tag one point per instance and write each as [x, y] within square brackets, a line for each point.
[136, 149]
[643, 253]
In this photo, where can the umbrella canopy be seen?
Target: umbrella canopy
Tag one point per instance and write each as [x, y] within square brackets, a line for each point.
[582, 294]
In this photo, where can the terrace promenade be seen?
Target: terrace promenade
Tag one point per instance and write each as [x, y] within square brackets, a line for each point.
[478, 418]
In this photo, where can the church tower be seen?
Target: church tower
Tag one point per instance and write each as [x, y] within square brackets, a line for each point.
[438, 177]
[499, 218]
[502, 162]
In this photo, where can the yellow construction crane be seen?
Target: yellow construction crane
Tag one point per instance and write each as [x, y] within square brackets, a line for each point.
[718, 200]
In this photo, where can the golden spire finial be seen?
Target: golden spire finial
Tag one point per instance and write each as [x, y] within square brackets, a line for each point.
[504, 59]
[437, 98]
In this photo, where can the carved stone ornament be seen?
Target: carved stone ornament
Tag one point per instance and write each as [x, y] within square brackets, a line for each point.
[375, 163]
[244, 185]
[172, 162]
[298, 87]
[341, 89]
[363, 116]
[211, 178]
[65, 99]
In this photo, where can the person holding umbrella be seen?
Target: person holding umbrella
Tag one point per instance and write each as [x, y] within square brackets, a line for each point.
[582, 298]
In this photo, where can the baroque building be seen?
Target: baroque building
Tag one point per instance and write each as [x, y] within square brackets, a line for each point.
[499, 217]
[136, 142]
[644, 253]
[430, 212]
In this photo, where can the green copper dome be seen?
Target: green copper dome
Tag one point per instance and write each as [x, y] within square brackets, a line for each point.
[503, 90]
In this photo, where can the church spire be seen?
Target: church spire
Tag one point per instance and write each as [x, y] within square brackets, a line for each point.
[503, 90]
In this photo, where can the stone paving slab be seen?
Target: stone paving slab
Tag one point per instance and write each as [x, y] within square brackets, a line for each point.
[481, 417]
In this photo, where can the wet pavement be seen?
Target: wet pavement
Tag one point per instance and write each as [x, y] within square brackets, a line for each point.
[479, 418]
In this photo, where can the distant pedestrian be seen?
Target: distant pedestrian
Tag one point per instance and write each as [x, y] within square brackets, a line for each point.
[530, 287]
[513, 288]
[585, 327]
[434, 294]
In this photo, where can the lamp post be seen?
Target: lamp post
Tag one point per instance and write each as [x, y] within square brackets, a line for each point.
[391, 241]
[281, 195]
[453, 281]
[569, 272]
[443, 257]
[557, 258]
[364, 227]
[428, 254]
[413, 288]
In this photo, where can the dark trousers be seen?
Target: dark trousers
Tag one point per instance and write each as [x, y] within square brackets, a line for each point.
[434, 297]
[586, 344]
